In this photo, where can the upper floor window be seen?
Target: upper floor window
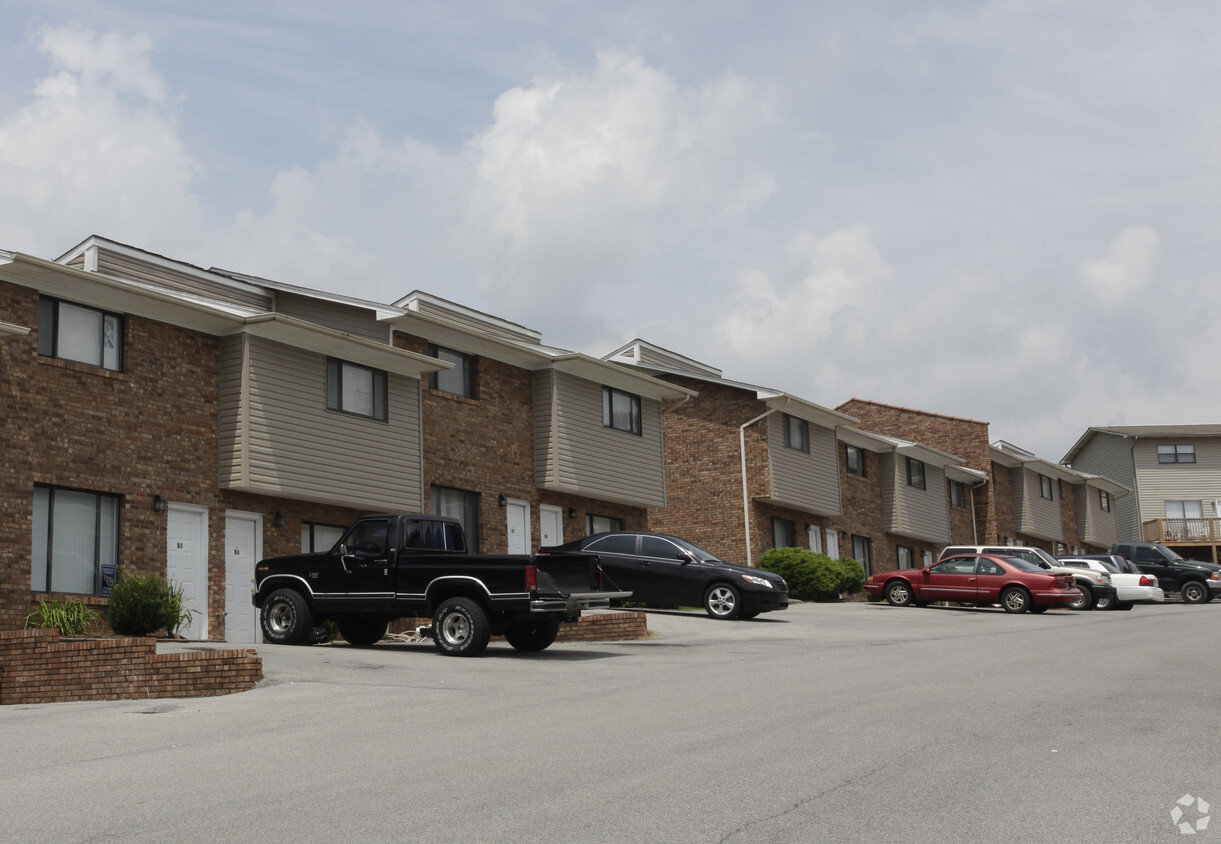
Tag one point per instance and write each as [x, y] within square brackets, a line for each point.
[1104, 500]
[958, 494]
[915, 473]
[79, 333]
[356, 389]
[797, 433]
[855, 458]
[620, 410]
[460, 380]
[1176, 454]
[602, 524]
[784, 533]
[76, 540]
[1046, 490]
[1184, 509]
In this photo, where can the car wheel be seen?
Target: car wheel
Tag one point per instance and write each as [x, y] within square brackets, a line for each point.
[363, 632]
[1194, 592]
[286, 618]
[899, 593]
[1107, 603]
[1086, 601]
[532, 636]
[1015, 599]
[722, 601]
[460, 627]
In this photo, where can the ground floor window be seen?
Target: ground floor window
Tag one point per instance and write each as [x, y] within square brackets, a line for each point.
[76, 540]
[862, 551]
[905, 557]
[462, 505]
[319, 537]
[601, 524]
[784, 533]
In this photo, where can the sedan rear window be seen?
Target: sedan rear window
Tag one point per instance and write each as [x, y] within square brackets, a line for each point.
[619, 543]
[1023, 565]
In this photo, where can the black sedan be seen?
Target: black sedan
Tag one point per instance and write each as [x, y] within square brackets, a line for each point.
[668, 571]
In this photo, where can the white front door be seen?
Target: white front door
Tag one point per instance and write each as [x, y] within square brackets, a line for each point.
[832, 545]
[186, 562]
[517, 515]
[815, 537]
[551, 525]
[243, 548]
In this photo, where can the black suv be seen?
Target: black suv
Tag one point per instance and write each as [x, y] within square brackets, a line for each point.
[1196, 582]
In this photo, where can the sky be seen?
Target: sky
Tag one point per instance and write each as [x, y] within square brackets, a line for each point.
[1003, 210]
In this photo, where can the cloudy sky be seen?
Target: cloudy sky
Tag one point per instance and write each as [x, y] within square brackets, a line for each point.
[1005, 210]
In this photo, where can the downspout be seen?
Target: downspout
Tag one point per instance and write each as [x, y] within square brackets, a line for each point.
[974, 526]
[745, 493]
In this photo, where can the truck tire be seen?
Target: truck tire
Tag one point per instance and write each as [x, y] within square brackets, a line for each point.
[363, 632]
[532, 636]
[1194, 592]
[460, 627]
[286, 618]
[1086, 601]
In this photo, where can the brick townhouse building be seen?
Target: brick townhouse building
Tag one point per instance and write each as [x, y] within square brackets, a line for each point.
[164, 418]
[1021, 499]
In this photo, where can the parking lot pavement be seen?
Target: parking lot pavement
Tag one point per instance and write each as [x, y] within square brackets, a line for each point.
[845, 722]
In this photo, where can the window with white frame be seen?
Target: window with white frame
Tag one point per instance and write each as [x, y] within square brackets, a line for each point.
[621, 410]
[854, 458]
[76, 537]
[915, 473]
[862, 552]
[80, 333]
[1104, 501]
[1184, 509]
[1176, 454]
[958, 494]
[1046, 490]
[359, 390]
[796, 433]
[462, 505]
[460, 381]
[319, 537]
[784, 533]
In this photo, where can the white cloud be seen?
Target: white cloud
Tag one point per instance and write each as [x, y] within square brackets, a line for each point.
[1131, 265]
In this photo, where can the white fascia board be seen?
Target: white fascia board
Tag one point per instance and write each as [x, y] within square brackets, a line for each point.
[9, 329]
[339, 344]
[411, 303]
[966, 474]
[1105, 484]
[528, 356]
[381, 311]
[1037, 464]
[89, 246]
[802, 409]
[121, 296]
[619, 377]
[883, 443]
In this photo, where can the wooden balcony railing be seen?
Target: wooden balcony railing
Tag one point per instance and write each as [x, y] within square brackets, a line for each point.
[1182, 531]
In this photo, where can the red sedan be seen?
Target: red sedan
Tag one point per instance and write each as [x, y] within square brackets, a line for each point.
[1014, 583]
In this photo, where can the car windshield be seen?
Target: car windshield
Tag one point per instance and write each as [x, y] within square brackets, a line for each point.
[1023, 565]
[700, 553]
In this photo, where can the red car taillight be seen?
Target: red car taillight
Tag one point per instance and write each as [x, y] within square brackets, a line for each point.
[1145, 580]
[531, 578]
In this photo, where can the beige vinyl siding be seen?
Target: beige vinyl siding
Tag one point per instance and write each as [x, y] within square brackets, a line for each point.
[909, 511]
[1095, 525]
[232, 395]
[807, 482]
[360, 322]
[1034, 515]
[1160, 482]
[575, 453]
[1110, 456]
[133, 269]
[287, 443]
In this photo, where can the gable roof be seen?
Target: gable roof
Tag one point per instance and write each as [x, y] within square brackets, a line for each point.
[1137, 432]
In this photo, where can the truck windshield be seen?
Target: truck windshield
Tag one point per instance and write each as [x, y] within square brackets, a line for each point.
[1172, 556]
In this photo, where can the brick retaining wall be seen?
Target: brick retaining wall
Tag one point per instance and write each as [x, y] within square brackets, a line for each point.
[36, 667]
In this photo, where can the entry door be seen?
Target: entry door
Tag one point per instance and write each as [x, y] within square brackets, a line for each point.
[517, 516]
[833, 544]
[186, 562]
[243, 548]
[551, 523]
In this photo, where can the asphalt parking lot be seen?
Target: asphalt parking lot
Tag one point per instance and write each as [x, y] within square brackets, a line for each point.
[848, 722]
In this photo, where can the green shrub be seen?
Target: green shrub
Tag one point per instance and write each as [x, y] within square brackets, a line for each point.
[812, 576]
[71, 618]
[142, 604]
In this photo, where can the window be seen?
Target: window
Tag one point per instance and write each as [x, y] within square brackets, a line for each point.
[1104, 500]
[461, 505]
[620, 410]
[76, 540]
[356, 389]
[915, 473]
[655, 546]
[460, 380]
[81, 334]
[619, 543]
[1046, 490]
[601, 524]
[862, 551]
[319, 537]
[796, 433]
[1184, 509]
[784, 533]
[958, 494]
[855, 458]
[905, 557]
[1176, 454]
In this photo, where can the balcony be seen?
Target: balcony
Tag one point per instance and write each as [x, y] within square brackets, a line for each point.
[1182, 531]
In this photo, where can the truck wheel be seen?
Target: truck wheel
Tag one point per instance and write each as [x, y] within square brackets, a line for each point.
[286, 619]
[722, 601]
[460, 627]
[532, 636]
[1086, 601]
[363, 632]
[1194, 592]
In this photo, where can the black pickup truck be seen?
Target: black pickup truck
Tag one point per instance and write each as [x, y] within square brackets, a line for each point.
[1196, 582]
[390, 566]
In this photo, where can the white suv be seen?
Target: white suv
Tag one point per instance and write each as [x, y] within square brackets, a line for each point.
[1093, 585]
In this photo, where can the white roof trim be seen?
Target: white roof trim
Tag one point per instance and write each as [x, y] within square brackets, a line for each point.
[339, 344]
[89, 245]
[381, 311]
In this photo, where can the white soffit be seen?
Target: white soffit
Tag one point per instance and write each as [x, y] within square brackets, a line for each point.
[327, 341]
[8, 329]
[803, 409]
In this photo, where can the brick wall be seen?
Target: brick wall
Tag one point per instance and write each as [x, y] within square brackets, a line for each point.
[37, 667]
